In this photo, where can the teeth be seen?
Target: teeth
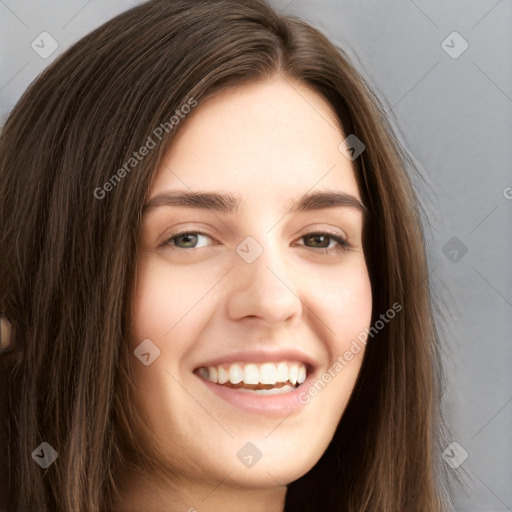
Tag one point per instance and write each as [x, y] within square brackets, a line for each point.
[268, 373]
[251, 374]
[302, 374]
[272, 391]
[254, 374]
[294, 373]
[282, 372]
[222, 375]
[235, 374]
[212, 374]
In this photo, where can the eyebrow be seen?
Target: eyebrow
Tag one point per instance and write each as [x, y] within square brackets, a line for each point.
[229, 203]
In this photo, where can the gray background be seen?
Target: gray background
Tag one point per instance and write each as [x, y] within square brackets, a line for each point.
[454, 115]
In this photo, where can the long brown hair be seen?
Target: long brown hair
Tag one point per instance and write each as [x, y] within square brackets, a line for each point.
[69, 259]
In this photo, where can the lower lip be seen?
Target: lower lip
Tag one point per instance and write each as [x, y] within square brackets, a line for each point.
[276, 405]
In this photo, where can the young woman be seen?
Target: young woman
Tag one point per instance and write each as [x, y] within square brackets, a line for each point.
[214, 275]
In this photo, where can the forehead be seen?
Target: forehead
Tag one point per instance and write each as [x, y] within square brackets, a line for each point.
[268, 140]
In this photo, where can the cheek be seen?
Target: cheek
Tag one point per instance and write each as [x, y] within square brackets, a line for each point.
[345, 303]
[149, 306]
[164, 310]
[344, 311]
[162, 300]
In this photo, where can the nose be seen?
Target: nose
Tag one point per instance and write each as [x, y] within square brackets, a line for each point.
[266, 288]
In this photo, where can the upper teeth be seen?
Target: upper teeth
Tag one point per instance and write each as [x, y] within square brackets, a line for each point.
[250, 373]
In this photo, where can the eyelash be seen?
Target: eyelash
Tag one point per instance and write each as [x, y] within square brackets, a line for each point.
[343, 245]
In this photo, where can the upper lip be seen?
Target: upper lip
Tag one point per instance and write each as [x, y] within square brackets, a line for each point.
[261, 356]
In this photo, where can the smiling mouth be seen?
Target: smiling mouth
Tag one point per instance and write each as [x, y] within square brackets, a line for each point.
[265, 378]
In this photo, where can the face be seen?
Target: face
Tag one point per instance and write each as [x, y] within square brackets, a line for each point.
[247, 301]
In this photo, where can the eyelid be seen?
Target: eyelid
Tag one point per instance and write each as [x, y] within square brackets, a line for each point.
[319, 228]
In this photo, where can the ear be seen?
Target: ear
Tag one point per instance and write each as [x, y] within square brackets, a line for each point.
[5, 334]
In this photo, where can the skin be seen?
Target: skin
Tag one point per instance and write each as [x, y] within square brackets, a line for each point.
[269, 142]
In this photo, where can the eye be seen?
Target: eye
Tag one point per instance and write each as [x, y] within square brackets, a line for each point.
[342, 245]
[189, 239]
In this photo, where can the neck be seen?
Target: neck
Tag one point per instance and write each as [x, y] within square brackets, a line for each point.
[137, 494]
